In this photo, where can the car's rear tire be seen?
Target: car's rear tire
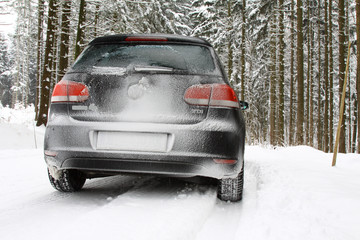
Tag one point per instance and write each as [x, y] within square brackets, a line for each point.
[231, 189]
[69, 180]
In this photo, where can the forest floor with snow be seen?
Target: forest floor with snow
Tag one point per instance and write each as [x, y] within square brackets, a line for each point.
[290, 193]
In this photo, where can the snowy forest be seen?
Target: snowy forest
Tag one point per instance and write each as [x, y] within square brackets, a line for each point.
[286, 58]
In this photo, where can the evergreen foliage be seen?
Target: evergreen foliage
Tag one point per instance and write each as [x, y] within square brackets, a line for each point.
[5, 72]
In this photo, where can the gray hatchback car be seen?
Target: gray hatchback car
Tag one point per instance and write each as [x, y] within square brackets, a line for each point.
[148, 104]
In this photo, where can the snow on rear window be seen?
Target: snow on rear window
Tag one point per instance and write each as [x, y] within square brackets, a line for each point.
[193, 59]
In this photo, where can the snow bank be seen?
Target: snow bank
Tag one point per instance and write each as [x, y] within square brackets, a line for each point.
[300, 196]
[18, 130]
[18, 115]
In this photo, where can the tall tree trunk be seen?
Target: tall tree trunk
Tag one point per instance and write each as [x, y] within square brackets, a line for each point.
[15, 91]
[358, 70]
[319, 120]
[307, 119]
[311, 118]
[39, 55]
[80, 29]
[342, 147]
[331, 80]
[54, 63]
[96, 20]
[350, 118]
[230, 60]
[230, 42]
[64, 39]
[291, 120]
[46, 76]
[355, 125]
[300, 77]
[280, 120]
[273, 135]
[27, 57]
[243, 28]
[350, 122]
[326, 81]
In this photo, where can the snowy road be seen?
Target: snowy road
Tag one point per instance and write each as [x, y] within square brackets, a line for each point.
[128, 206]
[290, 193]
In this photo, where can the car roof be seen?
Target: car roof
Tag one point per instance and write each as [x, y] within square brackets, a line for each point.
[172, 38]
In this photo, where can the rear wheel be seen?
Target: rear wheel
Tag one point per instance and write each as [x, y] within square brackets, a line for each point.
[231, 189]
[68, 180]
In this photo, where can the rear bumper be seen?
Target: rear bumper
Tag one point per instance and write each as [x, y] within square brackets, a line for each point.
[164, 167]
[192, 150]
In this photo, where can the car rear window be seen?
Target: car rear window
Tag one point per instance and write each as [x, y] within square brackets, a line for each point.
[190, 58]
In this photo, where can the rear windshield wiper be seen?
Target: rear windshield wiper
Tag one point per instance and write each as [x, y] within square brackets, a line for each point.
[153, 69]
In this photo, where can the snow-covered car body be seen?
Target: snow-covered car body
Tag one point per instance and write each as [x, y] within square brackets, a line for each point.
[151, 104]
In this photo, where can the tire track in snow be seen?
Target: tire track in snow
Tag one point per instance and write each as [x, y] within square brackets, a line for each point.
[37, 213]
[228, 216]
[158, 209]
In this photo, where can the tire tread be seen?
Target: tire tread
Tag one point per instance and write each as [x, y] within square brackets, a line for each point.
[69, 181]
[231, 189]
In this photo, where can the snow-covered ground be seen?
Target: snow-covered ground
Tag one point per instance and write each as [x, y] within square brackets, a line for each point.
[290, 193]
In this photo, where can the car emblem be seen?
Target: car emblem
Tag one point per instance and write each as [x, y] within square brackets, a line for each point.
[137, 90]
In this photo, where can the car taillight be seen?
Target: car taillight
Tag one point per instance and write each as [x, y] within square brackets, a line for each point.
[225, 161]
[213, 95]
[69, 91]
[198, 95]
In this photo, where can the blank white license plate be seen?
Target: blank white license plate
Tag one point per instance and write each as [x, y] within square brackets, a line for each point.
[132, 141]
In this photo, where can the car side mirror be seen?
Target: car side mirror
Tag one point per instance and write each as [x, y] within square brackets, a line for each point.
[243, 105]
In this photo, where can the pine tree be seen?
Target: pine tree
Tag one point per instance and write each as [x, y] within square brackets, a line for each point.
[39, 53]
[310, 78]
[5, 72]
[273, 80]
[341, 6]
[230, 55]
[281, 120]
[243, 47]
[259, 14]
[80, 29]
[319, 93]
[292, 60]
[25, 63]
[218, 22]
[96, 19]
[358, 71]
[326, 81]
[48, 62]
[307, 118]
[64, 39]
[300, 76]
[165, 17]
[331, 79]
